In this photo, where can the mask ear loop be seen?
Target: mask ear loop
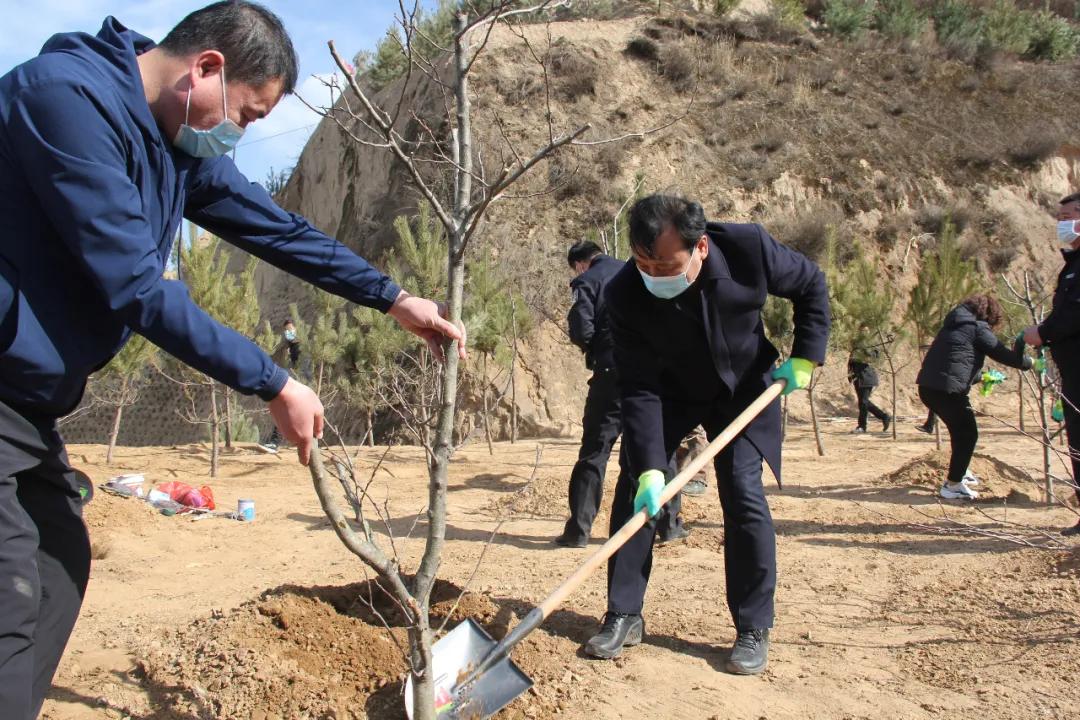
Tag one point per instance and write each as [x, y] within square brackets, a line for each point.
[225, 105]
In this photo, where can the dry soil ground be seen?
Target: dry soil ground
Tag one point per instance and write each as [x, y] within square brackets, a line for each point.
[876, 618]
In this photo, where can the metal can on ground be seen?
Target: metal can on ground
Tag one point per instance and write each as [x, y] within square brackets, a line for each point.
[245, 510]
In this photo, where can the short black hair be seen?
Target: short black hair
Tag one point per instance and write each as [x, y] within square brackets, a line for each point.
[581, 251]
[256, 47]
[651, 215]
[1075, 197]
[287, 323]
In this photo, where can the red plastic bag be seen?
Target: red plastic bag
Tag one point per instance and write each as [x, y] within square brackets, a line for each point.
[202, 498]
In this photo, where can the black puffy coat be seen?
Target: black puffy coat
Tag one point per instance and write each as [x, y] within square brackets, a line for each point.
[861, 374]
[955, 359]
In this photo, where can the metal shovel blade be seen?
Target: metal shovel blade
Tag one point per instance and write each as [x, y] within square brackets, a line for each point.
[453, 659]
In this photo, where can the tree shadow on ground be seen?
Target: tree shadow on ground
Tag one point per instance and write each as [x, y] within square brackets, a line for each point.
[160, 695]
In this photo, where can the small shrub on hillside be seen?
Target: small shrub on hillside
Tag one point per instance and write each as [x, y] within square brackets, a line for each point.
[723, 7]
[1034, 146]
[893, 229]
[999, 259]
[576, 73]
[900, 19]
[809, 230]
[643, 48]
[933, 218]
[847, 18]
[677, 65]
[1008, 28]
[609, 159]
[960, 28]
[790, 13]
[1052, 38]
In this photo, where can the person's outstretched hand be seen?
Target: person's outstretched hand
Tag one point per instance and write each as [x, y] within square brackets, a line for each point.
[427, 319]
[298, 414]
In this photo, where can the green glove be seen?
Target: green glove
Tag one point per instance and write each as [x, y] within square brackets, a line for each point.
[990, 380]
[796, 371]
[649, 486]
[1039, 365]
[1058, 412]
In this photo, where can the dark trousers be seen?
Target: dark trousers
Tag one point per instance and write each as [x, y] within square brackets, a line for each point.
[601, 427]
[1072, 427]
[749, 535]
[867, 406]
[956, 412]
[931, 421]
[44, 560]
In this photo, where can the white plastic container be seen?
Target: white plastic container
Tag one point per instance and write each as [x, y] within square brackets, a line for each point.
[245, 510]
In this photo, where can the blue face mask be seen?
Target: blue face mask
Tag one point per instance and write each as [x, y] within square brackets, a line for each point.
[216, 141]
[290, 335]
[669, 287]
[1066, 231]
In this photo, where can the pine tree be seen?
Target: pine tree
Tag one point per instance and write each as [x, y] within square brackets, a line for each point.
[118, 384]
[945, 279]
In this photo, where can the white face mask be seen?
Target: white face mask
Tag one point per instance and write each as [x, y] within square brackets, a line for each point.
[669, 287]
[1066, 231]
[216, 141]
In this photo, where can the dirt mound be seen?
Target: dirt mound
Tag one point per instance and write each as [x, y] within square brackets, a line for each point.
[544, 497]
[110, 513]
[997, 480]
[319, 652]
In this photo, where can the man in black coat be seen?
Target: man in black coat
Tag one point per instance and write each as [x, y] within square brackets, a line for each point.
[1060, 331]
[601, 424]
[690, 348]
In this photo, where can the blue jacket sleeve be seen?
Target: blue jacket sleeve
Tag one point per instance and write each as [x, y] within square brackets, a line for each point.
[77, 166]
[792, 275]
[242, 213]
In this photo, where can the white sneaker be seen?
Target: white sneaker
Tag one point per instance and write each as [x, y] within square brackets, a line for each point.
[957, 491]
[970, 478]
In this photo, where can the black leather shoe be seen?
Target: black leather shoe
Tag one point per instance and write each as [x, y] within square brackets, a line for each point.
[571, 541]
[679, 533]
[925, 429]
[750, 653]
[619, 631]
[1070, 531]
[885, 423]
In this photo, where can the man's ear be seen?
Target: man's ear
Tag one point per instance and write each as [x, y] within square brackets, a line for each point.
[703, 246]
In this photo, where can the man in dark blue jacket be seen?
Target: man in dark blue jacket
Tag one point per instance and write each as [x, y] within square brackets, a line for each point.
[106, 142]
[1060, 331]
[690, 348]
[601, 424]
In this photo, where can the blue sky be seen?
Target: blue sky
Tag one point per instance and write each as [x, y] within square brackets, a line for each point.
[275, 141]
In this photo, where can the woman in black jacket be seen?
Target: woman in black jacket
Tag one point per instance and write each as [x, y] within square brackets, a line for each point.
[952, 365]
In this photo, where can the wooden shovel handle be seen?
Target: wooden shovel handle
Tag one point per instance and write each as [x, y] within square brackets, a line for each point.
[556, 598]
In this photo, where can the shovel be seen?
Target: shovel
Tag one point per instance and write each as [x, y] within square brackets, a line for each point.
[474, 675]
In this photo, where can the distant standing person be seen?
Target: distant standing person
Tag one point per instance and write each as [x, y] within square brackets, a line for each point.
[1060, 331]
[953, 364]
[863, 376]
[601, 425]
[291, 344]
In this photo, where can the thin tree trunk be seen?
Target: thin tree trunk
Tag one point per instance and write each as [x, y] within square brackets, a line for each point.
[487, 410]
[1020, 392]
[228, 419]
[116, 422]
[513, 375]
[937, 433]
[1044, 421]
[424, 580]
[814, 420]
[783, 418]
[215, 426]
[892, 377]
[369, 436]
[318, 384]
